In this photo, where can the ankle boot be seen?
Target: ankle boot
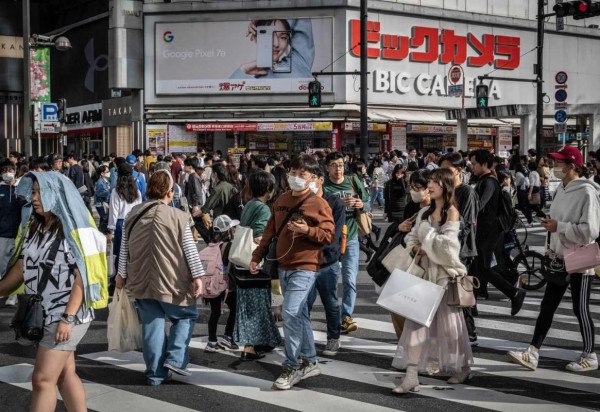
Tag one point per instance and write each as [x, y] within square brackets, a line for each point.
[460, 377]
[410, 383]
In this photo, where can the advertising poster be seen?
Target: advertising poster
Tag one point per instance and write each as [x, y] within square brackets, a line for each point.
[182, 141]
[242, 57]
[39, 69]
[505, 134]
[398, 136]
[156, 137]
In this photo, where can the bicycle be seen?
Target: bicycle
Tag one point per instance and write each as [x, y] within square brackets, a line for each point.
[527, 264]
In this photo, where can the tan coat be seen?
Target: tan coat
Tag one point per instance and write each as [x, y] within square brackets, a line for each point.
[156, 266]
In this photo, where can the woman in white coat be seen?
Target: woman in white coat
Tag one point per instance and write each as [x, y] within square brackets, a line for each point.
[444, 346]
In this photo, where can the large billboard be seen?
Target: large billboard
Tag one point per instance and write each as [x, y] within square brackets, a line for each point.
[241, 57]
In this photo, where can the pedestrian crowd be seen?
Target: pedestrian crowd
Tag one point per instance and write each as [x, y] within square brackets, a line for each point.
[266, 235]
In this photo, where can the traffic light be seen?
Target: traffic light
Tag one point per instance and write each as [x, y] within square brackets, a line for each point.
[62, 110]
[578, 9]
[481, 91]
[314, 94]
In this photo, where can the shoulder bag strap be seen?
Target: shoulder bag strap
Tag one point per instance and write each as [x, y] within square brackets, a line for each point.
[48, 265]
[139, 216]
[291, 212]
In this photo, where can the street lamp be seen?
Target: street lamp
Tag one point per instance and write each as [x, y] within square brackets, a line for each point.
[57, 41]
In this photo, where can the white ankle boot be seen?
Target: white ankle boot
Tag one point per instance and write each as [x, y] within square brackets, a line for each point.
[410, 383]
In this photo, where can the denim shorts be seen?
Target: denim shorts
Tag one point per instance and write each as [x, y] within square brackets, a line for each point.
[77, 333]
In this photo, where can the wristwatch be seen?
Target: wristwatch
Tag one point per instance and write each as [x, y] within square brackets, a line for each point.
[70, 319]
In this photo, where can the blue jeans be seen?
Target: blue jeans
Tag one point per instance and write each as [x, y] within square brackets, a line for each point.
[377, 195]
[326, 284]
[349, 273]
[157, 347]
[296, 285]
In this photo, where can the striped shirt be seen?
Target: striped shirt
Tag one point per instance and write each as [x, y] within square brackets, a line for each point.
[189, 249]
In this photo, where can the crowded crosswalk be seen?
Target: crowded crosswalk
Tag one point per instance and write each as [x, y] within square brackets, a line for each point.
[359, 378]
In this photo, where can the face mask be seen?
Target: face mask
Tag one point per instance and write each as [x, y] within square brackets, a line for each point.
[8, 177]
[313, 187]
[416, 197]
[296, 183]
[559, 173]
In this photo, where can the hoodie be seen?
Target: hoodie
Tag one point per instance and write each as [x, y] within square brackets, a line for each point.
[576, 208]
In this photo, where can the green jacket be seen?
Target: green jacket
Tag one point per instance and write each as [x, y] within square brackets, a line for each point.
[351, 184]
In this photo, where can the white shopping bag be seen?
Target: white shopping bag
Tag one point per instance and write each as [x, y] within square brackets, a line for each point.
[242, 247]
[412, 297]
[124, 332]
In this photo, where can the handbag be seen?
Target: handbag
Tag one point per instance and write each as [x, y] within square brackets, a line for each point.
[364, 219]
[553, 267]
[124, 332]
[581, 258]
[535, 199]
[29, 319]
[411, 297]
[461, 291]
[270, 264]
[242, 247]
[245, 280]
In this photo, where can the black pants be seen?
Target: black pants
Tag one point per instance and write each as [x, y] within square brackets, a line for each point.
[481, 268]
[580, 292]
[523, 204]
[215, 314]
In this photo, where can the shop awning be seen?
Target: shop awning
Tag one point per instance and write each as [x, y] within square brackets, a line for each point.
[417, 116]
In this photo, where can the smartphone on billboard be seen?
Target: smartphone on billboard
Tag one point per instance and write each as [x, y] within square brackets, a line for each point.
[282, 45]
[264, 46]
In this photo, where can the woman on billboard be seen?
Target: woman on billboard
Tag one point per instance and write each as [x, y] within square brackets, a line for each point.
[278, 44]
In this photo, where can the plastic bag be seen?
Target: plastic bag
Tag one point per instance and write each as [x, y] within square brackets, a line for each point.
[124, 331]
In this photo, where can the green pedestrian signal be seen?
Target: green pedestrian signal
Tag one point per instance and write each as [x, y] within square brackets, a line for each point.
[314, 94]
[481, 91]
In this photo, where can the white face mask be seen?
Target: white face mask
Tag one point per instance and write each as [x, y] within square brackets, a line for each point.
[560, 173]
[297, 183]
[416, 197]
[8, 177]
[313, 187]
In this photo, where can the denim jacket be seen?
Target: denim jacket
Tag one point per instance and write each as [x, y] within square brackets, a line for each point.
[102, 192]
[61, 197]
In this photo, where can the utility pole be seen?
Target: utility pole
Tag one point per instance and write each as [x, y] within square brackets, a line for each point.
[364, 127]
[539, 127]
[27, 146]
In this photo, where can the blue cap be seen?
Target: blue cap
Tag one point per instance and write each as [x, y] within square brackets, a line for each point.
[131, 159]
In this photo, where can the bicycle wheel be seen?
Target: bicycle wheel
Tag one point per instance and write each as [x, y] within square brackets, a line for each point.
[521, 231]
[529, 266]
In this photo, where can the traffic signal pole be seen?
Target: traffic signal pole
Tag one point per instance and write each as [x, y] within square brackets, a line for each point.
[364, 126]
[539, 126]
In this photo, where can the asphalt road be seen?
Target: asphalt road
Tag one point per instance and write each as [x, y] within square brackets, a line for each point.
[359, 378]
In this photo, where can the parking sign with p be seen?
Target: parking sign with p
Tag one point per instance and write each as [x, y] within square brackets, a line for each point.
[49, 112]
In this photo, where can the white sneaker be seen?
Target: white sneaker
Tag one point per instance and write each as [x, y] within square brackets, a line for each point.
[308, 370]
[288, 378]
[527, 358]
[11, 300]
[584, 364]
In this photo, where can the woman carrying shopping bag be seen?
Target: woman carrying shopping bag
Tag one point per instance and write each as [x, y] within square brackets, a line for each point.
[444, 346]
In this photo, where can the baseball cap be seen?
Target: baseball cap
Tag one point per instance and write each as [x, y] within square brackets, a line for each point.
[131, 159]
[223, 223]
[569, 153]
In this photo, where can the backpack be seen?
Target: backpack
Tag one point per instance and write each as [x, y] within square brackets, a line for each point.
[507, 216]
[234, 206]
[214, 280]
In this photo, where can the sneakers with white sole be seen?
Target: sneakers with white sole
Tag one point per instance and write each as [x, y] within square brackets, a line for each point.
[527, 358]
[308, 370]
[175, 369]
[332, 347]
[288, 378]
[586, 363]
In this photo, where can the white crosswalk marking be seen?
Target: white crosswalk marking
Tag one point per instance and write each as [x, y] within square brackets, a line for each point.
[101, 398]
[246, 386]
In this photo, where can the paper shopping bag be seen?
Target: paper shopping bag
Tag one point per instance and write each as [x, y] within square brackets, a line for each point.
[412, 297]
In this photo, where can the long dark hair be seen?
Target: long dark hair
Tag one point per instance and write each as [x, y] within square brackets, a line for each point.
[126, 188]
[445, 179]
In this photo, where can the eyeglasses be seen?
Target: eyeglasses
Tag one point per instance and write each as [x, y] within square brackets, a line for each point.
[417, 188]
[336, 165]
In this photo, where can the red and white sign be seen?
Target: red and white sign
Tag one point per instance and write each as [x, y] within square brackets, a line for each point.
[455, 74]
[220, 127]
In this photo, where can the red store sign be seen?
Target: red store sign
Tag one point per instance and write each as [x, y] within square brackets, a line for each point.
[220, 127]
[430, 44]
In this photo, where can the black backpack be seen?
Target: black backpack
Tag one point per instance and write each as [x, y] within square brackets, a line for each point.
[234, 206]
[507, 216]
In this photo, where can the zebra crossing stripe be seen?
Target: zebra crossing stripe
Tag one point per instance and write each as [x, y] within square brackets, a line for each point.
[245, 386]
[101, 398]
[524, 313]
[430, 387]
